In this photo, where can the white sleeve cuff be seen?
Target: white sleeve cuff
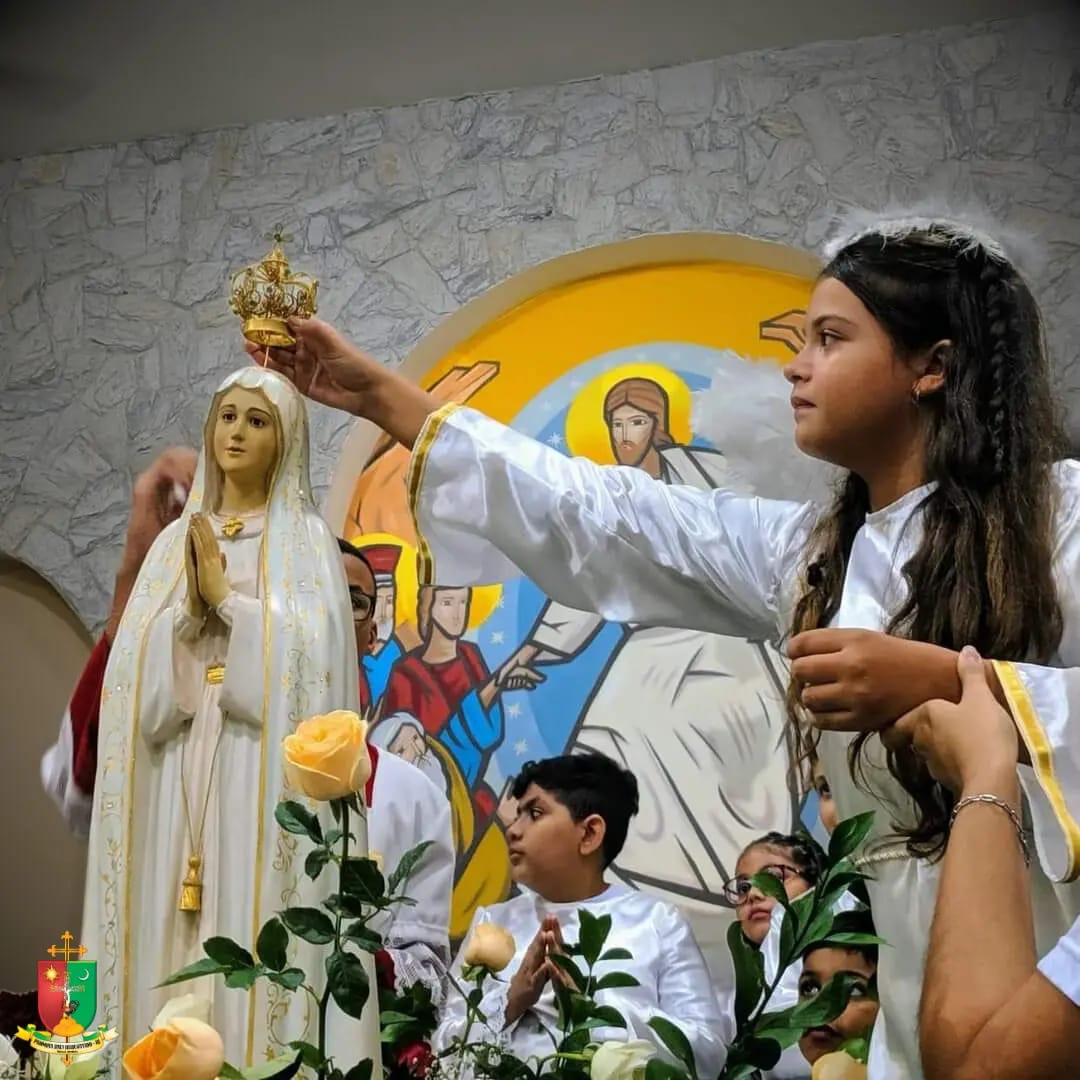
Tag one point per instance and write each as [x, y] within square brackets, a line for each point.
[1061, 965]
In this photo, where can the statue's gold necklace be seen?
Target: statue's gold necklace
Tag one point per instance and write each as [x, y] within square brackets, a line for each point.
[233, 524]
[191, 889]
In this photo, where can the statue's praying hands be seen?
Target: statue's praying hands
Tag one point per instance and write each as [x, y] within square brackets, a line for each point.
[207, 585]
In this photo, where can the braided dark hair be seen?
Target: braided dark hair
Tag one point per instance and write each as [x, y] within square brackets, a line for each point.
[801, 848]
[982, 573]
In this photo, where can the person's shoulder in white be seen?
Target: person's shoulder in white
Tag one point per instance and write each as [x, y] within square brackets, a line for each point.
[1061, 965]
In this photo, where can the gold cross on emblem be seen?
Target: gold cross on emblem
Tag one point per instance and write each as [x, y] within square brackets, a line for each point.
[67, 950]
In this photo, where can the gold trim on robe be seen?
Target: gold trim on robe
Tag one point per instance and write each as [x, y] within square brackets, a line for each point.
[414, 482]
[1039, 749]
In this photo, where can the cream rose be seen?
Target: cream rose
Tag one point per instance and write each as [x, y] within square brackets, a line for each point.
[621, 1060]
[838, 1066]
[489, 946]
[188, 1005]
[185, 1049]
[326, 757]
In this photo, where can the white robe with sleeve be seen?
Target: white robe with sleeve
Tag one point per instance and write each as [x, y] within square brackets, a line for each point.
[408, 809]
[674, 983]
[490, 504]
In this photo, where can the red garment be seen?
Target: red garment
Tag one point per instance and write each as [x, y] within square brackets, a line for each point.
[84, 713]
[432, 692]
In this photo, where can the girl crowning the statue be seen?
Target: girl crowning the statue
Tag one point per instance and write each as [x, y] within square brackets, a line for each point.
[924, 378]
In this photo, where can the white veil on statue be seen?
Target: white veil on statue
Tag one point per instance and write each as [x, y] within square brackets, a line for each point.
[307, 658]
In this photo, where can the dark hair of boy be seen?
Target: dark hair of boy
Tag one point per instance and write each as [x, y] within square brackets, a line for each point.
[586, 784]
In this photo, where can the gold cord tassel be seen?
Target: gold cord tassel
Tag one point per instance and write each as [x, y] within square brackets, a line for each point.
[191, 890]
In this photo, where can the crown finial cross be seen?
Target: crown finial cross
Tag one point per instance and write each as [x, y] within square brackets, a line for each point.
[67, 950]
[278, 235]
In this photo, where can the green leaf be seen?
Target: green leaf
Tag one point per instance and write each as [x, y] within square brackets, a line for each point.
[749, 973]
[351, 907]
[402, 872]
[315, 861]
[335, 809]
[206, 966]
[847, 938]
[616, 979]
[309, 1054]
[280, 1068]
[361, 1071]
[290, 978]
[242, 978]
[333, 836]
[848, 836]
[272, 943]
[348, 982]
[226, 952]
[825, 1006]
[857, 1048]
[575, 1042]
[617, 954]
[298, 819]
[772, 887]
[392, 1017]
[818, 930]
[308, 923]
[571, 969]
[593, 933]
[778, 1026]
[229, 1072]
[658, 1069]
[675, 1041]
[359, 933]
[362, 880]
[608, 1015]
[764, 1053]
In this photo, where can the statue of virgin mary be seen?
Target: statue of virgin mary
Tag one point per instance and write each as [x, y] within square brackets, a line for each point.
[239, 627]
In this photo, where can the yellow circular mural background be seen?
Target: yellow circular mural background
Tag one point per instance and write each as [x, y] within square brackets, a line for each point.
[715, 304]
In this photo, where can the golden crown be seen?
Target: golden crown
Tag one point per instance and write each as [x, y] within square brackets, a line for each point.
[266, 294]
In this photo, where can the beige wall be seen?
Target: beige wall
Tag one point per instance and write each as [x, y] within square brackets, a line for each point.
[43, 647]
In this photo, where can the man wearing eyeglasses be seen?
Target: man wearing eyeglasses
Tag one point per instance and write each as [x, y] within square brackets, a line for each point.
[370, 573]
[406, 807]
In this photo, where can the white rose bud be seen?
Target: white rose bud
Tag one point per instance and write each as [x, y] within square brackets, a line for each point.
[621, 1060]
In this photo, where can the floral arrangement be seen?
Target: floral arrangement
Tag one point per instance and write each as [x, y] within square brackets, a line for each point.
[575, 1054]
[761, 1035]
[327, 760]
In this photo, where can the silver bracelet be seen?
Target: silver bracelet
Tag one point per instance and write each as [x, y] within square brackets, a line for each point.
[993, 800]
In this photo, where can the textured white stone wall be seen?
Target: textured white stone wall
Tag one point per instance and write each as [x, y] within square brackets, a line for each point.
[113, 261]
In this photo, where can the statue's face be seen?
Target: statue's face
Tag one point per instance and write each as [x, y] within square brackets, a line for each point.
[245, 440]
[631, 434]
[450, 611]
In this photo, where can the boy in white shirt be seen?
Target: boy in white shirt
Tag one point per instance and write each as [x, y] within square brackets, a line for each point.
[572, 818]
